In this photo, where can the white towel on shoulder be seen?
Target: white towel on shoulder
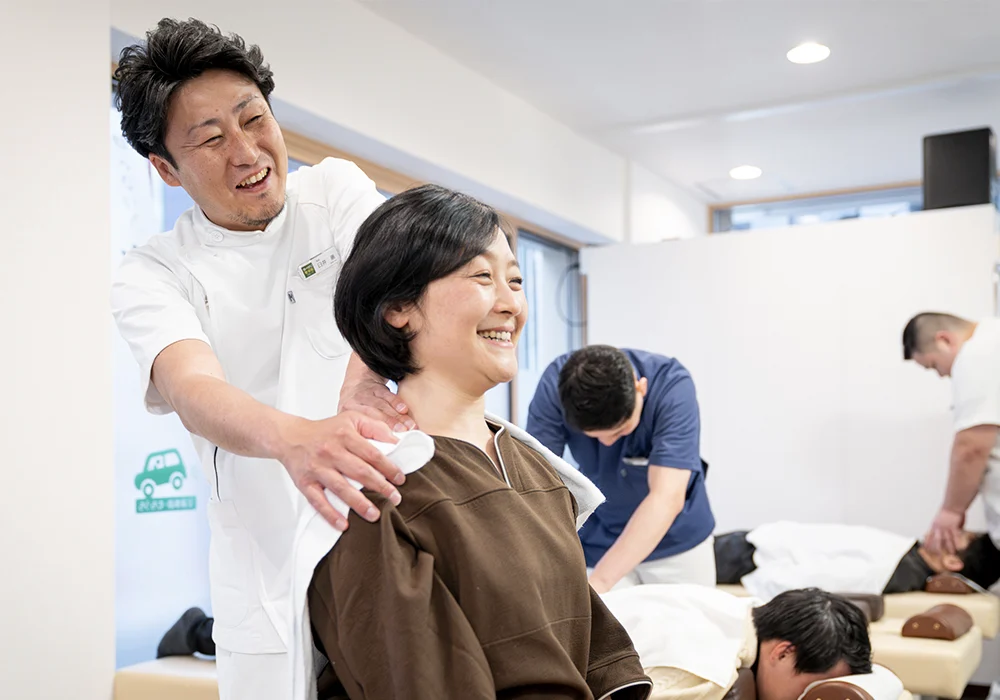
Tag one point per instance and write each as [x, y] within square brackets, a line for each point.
[587, 495]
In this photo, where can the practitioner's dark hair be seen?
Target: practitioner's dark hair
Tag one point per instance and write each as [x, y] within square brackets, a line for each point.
[921, 329]
[597, 388]
[175, 52]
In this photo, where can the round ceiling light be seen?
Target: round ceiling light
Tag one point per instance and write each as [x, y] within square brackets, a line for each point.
[745, 172]
[809, 52]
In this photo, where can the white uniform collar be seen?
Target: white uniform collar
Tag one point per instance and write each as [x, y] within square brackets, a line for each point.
[212, 235]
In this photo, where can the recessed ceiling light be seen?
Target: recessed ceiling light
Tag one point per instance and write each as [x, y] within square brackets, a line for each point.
[745, 172]
[809, 52]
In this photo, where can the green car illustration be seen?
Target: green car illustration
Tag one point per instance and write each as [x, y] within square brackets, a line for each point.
[161, 468]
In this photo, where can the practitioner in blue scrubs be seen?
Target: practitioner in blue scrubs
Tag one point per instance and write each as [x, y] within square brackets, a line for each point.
[630, 419]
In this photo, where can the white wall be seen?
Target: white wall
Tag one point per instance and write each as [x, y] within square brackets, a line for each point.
[56, 518]
[793, 338]
[659, 210]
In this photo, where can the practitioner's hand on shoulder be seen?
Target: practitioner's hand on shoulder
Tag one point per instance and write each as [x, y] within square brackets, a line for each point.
[321, 455]
[945, 532]
[369, 395]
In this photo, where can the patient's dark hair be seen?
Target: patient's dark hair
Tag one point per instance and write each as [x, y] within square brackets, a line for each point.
[823, 628]
[921, 329]
[412, 239]
[175, 52]
[981, 561]
[597, 388]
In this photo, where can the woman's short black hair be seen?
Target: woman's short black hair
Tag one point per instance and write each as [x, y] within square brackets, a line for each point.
[824, 629]
[597, 388]
[412, 239]
[175, 52]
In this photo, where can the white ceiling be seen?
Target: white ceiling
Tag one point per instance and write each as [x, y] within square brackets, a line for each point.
[691, 88]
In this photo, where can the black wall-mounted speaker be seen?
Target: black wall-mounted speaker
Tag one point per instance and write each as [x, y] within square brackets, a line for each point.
[959, 169]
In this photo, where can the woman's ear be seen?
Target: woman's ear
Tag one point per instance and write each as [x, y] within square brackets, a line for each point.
[397, 315]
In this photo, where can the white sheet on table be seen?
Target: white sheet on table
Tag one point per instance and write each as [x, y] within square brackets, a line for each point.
[698, 629]
[838, 558]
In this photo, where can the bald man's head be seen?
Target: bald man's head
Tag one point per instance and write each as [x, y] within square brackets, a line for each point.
[933, 340]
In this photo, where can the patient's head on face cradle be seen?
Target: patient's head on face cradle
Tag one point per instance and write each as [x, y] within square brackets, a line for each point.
[805, 636]
[942, 563]
[976, 559]
[432, 293]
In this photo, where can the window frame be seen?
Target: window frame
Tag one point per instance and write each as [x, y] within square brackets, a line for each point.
[715, 209]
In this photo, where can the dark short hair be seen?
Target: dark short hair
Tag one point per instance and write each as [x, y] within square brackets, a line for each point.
[412, 239]
[981, 561]
[824, 629]
[597, 388]
[921, 329]
[175, 52]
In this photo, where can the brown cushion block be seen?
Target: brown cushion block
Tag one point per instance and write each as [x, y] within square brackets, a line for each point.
[984, 607]
[932, 667]
[836, 690]
[948, 622]
[949, 583]
[745, 687]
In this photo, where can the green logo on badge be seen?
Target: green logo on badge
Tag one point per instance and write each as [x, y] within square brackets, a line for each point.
[162, 468]
[308, 270]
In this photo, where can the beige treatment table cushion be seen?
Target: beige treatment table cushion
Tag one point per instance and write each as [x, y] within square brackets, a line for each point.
[734, 589]
[984, 607]
[173, 678]
[927, 666]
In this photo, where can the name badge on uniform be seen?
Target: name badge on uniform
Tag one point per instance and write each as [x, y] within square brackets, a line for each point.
[318, 263]
[636, 461]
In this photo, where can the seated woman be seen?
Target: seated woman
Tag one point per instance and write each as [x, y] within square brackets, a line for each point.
[475, 585]
[846, 558]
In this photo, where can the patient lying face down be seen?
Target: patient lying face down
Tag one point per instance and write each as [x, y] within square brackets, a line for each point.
[977, 559]
[799, 637]
[805, 636]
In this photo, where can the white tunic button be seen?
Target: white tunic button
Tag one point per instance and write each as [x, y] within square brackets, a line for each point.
[217, 236]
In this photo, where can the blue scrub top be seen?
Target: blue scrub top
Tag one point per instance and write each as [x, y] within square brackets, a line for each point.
[668, 435]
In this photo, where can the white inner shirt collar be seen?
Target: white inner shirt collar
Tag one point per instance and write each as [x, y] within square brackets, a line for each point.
[214, 235]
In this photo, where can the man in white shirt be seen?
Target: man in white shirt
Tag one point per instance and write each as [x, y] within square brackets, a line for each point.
[230, 317]
[969, 353]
